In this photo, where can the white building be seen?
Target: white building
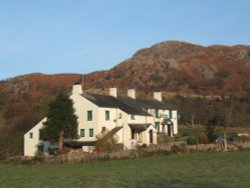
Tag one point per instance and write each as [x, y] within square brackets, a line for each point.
[134, 122]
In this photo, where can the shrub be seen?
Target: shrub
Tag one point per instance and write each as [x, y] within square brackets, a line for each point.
[184, 134]
[244, 138]
[203, 139]
[210, 132]
[163, 139]
[177, 137]
[178, 148]
[191, 141]
[143, 146]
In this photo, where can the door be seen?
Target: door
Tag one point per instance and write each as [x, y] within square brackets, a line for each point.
[151, 136]
[169, 130]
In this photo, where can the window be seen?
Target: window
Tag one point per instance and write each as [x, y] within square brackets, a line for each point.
[89, 115]
[107, 115]
[120, 116]
[132, 117]
[31, 135]
[157, 113]
[157, 126]
[91, 132]
[132, 134]
[82, 132]
[170, 114]
[40, 134]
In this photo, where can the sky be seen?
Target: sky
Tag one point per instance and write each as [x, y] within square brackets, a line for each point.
[82, 36]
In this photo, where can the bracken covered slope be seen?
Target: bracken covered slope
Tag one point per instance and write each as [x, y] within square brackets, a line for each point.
[173, 67]
[182, 67]
[168, 66]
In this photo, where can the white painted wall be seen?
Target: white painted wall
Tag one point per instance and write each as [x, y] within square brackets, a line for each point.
[165, 113]
[175, 121]
[81, 106]
[117, 118]
[30, 144]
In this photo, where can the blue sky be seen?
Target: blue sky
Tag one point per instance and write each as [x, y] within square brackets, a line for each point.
[81, 36]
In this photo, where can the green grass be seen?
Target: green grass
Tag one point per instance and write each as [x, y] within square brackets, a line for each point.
[190, 131]
[183, 170]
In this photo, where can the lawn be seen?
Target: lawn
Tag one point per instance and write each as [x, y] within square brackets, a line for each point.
[177, 170]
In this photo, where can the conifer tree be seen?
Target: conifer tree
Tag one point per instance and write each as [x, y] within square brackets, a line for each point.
[61, 121]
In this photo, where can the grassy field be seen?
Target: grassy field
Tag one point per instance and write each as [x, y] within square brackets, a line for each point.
[183, 170]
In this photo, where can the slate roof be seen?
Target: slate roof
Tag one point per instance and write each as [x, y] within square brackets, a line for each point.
[155, 104]
[112, 102]
[145, 104]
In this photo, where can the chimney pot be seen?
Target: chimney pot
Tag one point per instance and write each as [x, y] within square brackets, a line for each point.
[113, 92]
[131, 93]
[77, 89]
[158, 96]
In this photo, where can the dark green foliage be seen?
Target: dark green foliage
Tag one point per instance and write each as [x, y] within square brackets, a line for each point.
[210, 132]
[60, 117]
[191, 141]
[218, 119]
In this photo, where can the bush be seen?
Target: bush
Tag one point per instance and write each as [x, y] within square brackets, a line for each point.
[177, 137]
[178, 148]
[184, 134]
[191, 141]
[143, 146]
[203, 139]
[244, 138]
[164, 139]
[210, 132]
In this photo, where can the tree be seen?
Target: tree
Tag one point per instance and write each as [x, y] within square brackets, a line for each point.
[228, 120]
[61, 121]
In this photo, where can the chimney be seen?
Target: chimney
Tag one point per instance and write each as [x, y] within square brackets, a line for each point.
[113, 91]
[157, 96]
[77, 89]
[131, 93]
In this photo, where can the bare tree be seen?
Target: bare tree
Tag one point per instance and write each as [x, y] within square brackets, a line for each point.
[228, 120]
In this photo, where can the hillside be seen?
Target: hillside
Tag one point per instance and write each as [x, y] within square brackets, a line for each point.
[167, 66]
[184, 68]
[172, 66]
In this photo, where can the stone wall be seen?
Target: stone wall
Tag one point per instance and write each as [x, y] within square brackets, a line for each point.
[164, 149]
